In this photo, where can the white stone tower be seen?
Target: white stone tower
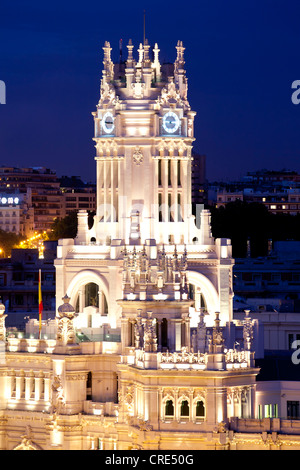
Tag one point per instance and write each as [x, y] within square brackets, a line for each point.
[144, 132]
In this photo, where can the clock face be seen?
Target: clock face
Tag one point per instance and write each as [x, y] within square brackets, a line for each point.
[107, 123]
[171, 122]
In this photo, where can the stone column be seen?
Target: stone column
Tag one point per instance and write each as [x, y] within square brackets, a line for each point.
[29, 382]
[81, 299]
[192, 411]
[176, 409]
[37, 388]
[47, 389]
[101, 302]
[221, 404]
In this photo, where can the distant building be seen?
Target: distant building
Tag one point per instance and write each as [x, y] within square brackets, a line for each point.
[19, 283]
[45, 191]
[199, 194]
[277, 202]
[273, 177]
[279, 191]
[76, 195]
[16, 212]
[32, 198]
[271, 282]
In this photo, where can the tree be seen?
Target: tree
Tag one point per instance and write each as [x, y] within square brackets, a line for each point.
[66, 227]
[9, 240]
[241, 221]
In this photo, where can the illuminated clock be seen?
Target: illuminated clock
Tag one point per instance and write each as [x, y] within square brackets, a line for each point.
[171, 122]
[107, 123]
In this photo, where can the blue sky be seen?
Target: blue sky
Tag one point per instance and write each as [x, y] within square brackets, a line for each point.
[241, 59]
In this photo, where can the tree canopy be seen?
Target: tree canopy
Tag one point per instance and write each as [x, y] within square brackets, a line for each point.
[241, 221]
[66, 227]
[9, 240]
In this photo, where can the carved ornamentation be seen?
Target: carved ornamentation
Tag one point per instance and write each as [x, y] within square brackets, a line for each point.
[138, 88]
[137, 155]
[57, 398]
[248, 331]
[183, 358]
[26, 443]
[65, 323]
[150, 339]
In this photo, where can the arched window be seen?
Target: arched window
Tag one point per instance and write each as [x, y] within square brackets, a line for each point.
[91, 295]
[184, 409]
[169, 408]
[193, 294]
[90, 298]
[200, 410]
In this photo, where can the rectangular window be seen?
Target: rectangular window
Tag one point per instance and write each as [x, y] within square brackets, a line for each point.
[292, 409]
[247, 276]
[169, 173]
[170, 213]
[160, 209]
[268, 411]
[290, 340]
[159, 172]
[259, 412]
[179, 207]
[178, 173]
[19, 299]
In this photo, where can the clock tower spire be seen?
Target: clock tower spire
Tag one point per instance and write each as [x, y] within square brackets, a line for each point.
[144, 134]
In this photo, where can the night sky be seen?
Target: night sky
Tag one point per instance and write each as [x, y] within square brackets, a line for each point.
[241, 59]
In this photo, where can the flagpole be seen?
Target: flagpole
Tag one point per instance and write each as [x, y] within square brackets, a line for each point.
[40, 303]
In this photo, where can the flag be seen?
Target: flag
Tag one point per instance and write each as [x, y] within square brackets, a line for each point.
[40, 304]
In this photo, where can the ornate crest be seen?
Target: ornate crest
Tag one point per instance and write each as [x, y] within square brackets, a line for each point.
[138, 88]
[138, 155]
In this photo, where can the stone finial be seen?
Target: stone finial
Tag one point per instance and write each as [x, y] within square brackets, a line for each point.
[218, 339]
[66, 309]
[2, 308]
[65, 322]
[180, 55]
[130, 53]
[141, 54]
[107, 62]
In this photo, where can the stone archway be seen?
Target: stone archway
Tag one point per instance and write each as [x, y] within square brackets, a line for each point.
[208, 291]
[77, 285]
[84, 278]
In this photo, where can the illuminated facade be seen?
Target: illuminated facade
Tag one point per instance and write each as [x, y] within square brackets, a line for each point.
[144, 352]
[16, 212]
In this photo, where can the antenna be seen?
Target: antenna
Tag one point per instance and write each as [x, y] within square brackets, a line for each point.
[120, 49]
[144, 26]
